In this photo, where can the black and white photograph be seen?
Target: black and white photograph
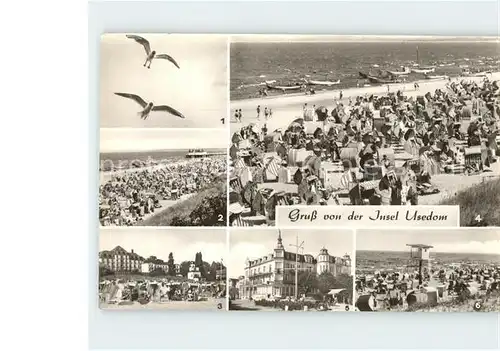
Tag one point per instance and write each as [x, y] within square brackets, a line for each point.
[163, 269]
[445, 270]
[163, 80]
[163, 177]
[290, 270]
[364, 120]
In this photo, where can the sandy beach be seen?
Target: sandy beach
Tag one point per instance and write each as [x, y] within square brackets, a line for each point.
[286, 108]
[209, 305]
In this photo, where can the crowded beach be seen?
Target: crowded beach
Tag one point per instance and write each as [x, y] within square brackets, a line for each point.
[401, 288]
[114, 293]
[404, 144]
[128, 197]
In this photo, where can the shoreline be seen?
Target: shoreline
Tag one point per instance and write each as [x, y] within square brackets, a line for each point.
[328, 95]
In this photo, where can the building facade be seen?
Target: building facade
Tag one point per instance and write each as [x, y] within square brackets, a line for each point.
[274, 274]
[120, 260]
[152, 264]
[194, 272]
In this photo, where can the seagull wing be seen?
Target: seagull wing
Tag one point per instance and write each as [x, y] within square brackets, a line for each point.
[134, 97]
[167, 57]
[168, 109]
[141, 41]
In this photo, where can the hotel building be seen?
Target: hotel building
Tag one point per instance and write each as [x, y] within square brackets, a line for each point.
[119, 260]
[274, 274]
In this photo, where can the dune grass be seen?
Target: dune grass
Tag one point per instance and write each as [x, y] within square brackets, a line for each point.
[207, 208]
[482, 199]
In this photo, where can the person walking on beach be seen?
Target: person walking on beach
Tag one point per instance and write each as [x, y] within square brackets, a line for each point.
[341, 95]
[258, 111]
[415, 85]
[270, 113]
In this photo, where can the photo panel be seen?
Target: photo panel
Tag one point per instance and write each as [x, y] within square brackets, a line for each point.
[415, 270]
[163, 80]
[291, 270]
[162, 269]
[163, 177]
[360, 120]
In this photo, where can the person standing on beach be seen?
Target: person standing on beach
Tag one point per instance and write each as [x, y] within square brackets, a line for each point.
[341, 95]
[266, 113]
[239, 115]
[388, 88]
[258, 111]
[270, 113]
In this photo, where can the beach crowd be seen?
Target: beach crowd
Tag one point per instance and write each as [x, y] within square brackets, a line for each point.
[130, 195]
[123, 291]
[391, 289]
[384, 149]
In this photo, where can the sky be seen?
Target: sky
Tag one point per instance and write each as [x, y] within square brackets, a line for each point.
[198, 89]
[149, 139]
[255, 243]
[184, 243]
[485, 241]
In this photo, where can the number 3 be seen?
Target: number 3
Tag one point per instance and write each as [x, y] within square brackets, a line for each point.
[221, 218]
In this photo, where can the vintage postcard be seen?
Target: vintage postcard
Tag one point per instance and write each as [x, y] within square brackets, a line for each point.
[163, 80]
[445, 270]
[349, 120]
[163, 177]
[167, 269]
[290, 270]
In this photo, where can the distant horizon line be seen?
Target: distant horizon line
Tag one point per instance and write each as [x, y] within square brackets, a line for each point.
[443, 252]
[158, 150]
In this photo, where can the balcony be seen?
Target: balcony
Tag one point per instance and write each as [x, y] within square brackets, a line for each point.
[259, 274]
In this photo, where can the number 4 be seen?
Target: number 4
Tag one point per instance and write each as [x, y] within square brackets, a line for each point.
[478, 218]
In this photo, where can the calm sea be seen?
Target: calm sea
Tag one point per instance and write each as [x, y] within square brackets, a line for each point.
[157, 155]
[387, 258]
[286, 63]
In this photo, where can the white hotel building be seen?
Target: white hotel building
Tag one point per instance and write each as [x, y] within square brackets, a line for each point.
[120, 260]
[274, 274]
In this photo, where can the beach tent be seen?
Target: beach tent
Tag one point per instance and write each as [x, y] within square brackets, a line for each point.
[313, 162]
[350, 156]
[366, 303]
[322, 113]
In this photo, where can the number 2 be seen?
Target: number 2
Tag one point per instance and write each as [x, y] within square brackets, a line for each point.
[221, 218]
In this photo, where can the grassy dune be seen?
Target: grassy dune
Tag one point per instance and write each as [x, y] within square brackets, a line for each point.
[207, 208]
[482, 199]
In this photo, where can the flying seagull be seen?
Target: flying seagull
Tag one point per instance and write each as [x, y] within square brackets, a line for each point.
[151, 54]
[148, 107]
